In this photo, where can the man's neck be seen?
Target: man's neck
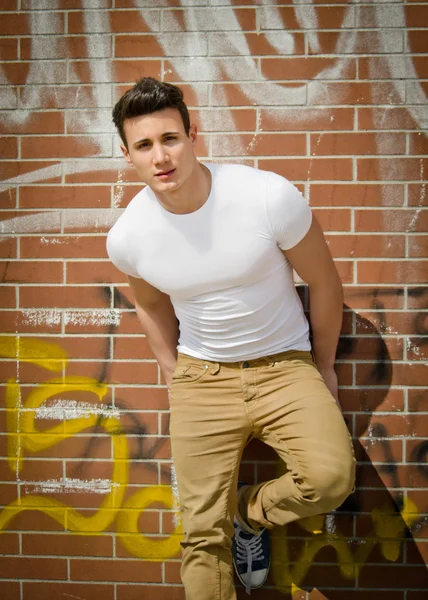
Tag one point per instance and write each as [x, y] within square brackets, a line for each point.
[191, 195]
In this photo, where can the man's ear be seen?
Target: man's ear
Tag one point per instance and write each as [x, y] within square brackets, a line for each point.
[193, 133]
[125, 153]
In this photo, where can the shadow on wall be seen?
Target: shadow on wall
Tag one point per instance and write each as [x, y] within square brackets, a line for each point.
[366, 549]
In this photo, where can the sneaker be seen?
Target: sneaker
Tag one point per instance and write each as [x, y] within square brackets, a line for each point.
[251, 557]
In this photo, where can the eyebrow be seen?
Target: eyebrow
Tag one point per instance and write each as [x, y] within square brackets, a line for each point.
[163, 135]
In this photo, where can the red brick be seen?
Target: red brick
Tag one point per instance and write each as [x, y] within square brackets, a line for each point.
[31, 272]
[9, 148]
[417, 42]
[33, 568]
[123, 373]
[344, 373]
[76, 446]
[418, 143]
[386, 118]
[123, 194]
[418, 401]
[334, 220]
[54, 591]
[16, 73]
[70, 47]
[93, 272]
[303, 169]
[64, 96]
[172, 571]
[259, 145]
[393, 322]
[9, 543]
[370, 348]
[358, 246]
[417, 194]
[11, 589]
[416, 451]
[258, 44]
[355, 400]
[116, 570]
[67, 545]
[62, 146]
[131, 70]
[417, 348]
[331, 17]
[63, 247]
[9, 170]
[63, 297]
[392, 169]
[8, 297]
[64, 196]
[301, 68]
[33, 470]
[232, 94]
[417, 297]
[356, 194]
[374, 298]
[407, 220]
[378, 68]
[8, 198]
[351, 92]
[402, 374]
[392, 272]
[38, 122]
[142, 398]
[8, 248]
[357, 143]
[309, 119]
[224, 120]
[416, 16]
[202, 20]
[136, 592]
[418, 246]
[129, 46]
[16, 321]
[16, 24]
[131, 348]
[35, 520]
[120, 22]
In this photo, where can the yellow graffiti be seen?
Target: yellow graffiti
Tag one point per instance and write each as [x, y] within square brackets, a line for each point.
[388, 531]
[24, 438]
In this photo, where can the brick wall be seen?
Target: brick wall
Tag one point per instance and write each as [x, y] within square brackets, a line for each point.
[333, 95]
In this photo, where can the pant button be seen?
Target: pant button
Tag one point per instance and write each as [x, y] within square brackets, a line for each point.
[245, 364]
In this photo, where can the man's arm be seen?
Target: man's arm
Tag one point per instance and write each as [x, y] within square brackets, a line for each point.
[157, 317]
[312, 261]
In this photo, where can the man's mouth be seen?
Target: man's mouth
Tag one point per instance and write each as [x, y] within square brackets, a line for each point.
[165, 174]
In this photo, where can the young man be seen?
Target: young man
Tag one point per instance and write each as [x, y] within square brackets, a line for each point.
[209, 251]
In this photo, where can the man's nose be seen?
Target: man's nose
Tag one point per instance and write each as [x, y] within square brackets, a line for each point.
[159, 154]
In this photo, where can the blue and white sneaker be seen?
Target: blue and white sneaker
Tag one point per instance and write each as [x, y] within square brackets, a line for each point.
[251, 557]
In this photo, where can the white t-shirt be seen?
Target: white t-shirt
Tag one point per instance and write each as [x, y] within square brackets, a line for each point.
[222, 266]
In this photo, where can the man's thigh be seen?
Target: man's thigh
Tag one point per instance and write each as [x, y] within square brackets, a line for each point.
[209, 429]
[296, 414]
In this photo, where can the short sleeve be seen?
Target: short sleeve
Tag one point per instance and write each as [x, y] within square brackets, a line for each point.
[288, 213]
[118, 250]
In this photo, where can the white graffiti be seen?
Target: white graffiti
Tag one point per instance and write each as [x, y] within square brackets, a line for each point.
[195, 43]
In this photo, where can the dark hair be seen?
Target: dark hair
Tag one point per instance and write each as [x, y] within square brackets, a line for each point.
[147, 96]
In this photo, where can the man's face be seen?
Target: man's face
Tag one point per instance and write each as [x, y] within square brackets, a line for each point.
[159, 149]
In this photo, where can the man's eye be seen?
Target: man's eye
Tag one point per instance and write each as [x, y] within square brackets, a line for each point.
[144, 145]
[170, 137]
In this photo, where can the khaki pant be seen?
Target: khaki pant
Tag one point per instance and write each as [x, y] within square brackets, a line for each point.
[215, 409]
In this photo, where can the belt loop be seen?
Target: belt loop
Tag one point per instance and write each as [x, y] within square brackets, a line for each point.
[215, 368]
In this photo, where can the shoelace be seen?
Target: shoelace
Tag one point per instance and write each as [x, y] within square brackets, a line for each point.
[248, 551]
